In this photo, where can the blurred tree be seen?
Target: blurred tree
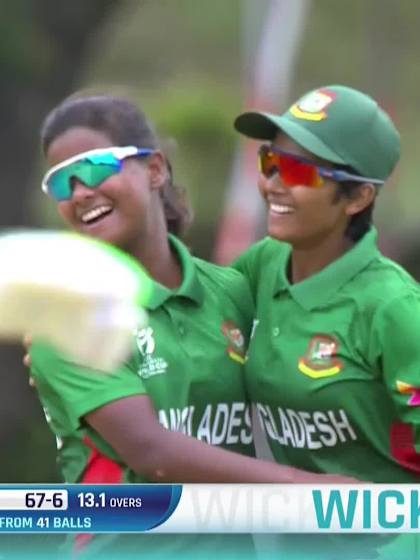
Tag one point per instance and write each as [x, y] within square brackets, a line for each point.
[40, 58]
[42, 46]
[368, 44]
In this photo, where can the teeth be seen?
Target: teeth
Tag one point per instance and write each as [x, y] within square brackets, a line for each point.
[281, 209]
[95, 213]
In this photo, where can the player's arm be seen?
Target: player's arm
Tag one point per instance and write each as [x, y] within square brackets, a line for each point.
[395, 348]
[116, 406]
[132, 429]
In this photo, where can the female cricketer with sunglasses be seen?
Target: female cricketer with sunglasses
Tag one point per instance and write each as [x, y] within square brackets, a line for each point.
[334, 360]
[111, 181]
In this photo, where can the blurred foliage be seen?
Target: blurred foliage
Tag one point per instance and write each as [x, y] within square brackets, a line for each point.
[183, 61]
[194, 122]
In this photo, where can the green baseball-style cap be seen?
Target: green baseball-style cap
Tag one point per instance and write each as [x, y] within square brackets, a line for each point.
[335, 123]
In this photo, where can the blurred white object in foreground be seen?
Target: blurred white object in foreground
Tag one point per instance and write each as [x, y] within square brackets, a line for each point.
[83, 296]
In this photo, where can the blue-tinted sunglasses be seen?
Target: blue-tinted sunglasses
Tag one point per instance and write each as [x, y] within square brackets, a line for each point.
[90, 168]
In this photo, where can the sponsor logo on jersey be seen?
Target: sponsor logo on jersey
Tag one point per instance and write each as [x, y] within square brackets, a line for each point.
[236, 348]
[304, 429]
[320, 359]
[151, 365]
[406, 389]
[312, 107]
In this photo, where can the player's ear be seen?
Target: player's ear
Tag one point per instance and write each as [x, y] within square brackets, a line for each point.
[158, 170]
[362, 197]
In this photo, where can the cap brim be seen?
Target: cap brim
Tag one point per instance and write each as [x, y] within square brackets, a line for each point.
[265, 126]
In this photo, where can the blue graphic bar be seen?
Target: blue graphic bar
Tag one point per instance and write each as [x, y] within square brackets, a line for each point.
[86, 509]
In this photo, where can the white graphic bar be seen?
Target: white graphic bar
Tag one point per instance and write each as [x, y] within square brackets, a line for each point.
[264, 508]
[36, 499]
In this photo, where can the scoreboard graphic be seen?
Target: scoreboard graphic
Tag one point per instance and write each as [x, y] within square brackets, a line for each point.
[209, 508]
[80, 508]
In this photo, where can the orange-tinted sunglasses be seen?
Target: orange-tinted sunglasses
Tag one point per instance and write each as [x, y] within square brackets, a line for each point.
[295, 170]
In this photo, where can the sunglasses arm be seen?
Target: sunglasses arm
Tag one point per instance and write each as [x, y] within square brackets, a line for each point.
[341, 176]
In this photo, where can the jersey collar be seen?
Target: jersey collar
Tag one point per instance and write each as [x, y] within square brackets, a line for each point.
[321, 287]
[190, 288]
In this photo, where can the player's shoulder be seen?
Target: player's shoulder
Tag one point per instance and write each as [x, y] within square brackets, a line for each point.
[218, 275]
[261, 262]
[264, 249]
[384, 288]
[391, 279]
[227, 290]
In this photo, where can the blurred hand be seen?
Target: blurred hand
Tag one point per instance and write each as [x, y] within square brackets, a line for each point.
[27, 343]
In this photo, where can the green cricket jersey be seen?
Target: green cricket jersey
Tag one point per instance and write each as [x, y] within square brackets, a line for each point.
[334, 363]
[188, 360]
[334, 371]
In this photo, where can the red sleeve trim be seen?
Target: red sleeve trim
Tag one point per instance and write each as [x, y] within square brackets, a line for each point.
[100, 469]
[403, 449]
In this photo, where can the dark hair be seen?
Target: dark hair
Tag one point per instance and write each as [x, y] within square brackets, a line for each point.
[361, 222]
[126, 125]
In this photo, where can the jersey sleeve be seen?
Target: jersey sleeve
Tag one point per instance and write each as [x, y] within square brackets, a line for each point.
[395, 347]
[74, 390]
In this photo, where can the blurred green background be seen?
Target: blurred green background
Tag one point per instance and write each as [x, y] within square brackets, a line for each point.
[188, 63]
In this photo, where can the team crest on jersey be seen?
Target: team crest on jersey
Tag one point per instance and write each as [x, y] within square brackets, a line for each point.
[313, 107]
[151, 365]
[321, 358]
[236, 348]
[414, 392]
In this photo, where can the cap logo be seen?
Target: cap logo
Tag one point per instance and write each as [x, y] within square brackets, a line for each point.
[312, 107]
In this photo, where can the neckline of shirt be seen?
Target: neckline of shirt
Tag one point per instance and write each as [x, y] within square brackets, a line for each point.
[321, 287]
[190, 287]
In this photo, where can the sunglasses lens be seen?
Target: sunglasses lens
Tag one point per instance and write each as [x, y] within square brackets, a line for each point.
[295, 172]
[292, 171]
[91, 172]
[268, 162]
